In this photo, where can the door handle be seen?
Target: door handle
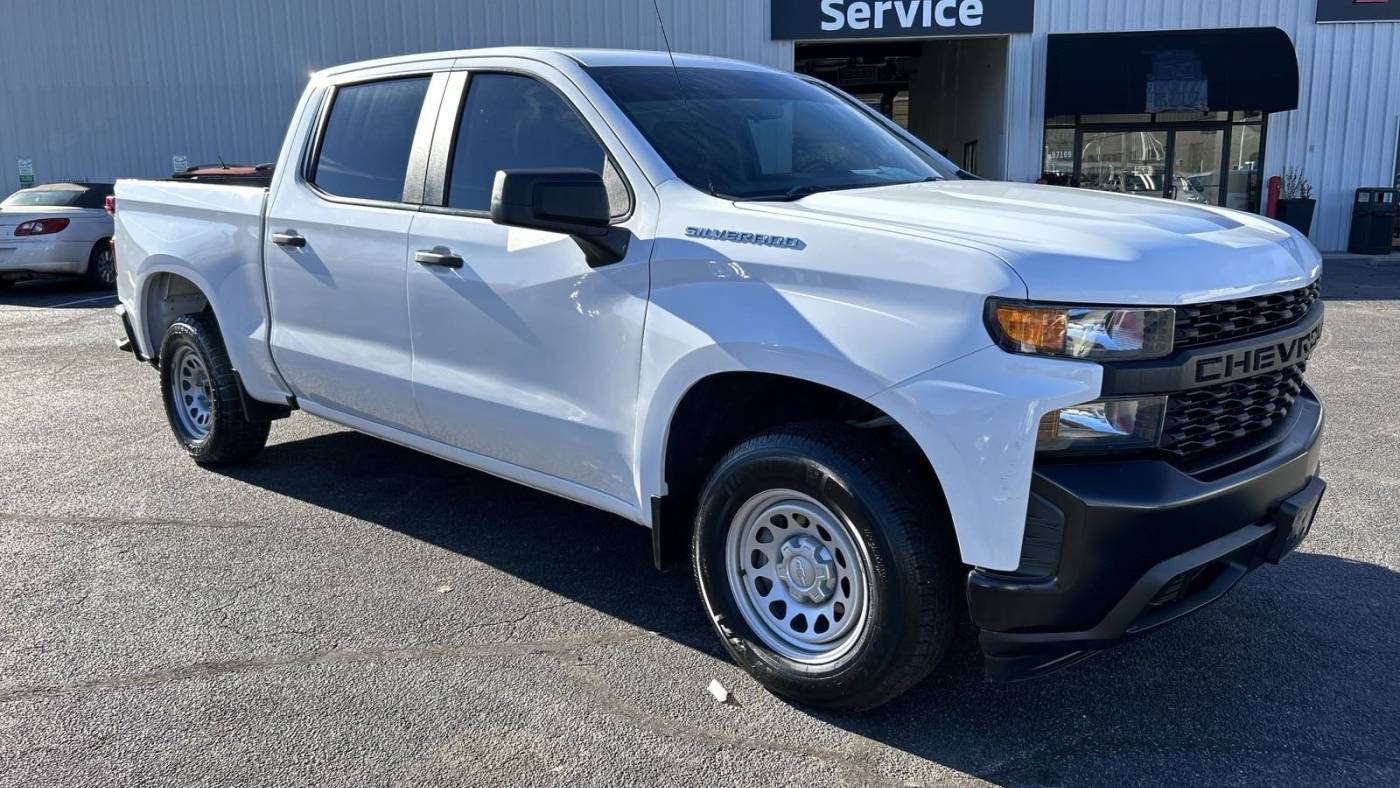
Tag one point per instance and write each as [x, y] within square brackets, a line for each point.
[440, 259]
[289, 239]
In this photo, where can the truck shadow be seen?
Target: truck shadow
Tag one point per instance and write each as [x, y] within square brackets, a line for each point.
[1292, 678]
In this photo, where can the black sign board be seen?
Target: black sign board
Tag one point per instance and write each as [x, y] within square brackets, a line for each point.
[1358, 10]
[816, 20]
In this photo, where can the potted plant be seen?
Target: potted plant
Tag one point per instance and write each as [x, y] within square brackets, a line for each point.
[1296, 205]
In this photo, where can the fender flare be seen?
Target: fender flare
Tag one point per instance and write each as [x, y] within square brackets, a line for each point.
[663, 398]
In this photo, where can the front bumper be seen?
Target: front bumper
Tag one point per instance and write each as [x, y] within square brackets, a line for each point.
[1127, 547]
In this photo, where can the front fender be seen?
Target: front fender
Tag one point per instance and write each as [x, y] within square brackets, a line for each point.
[976, 419]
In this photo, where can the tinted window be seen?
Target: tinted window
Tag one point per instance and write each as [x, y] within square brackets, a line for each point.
[56, 197]
[512, 122]
[368, 138]
[762, 135]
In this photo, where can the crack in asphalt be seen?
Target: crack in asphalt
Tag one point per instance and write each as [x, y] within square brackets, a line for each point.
[131, 522]
[217, 668]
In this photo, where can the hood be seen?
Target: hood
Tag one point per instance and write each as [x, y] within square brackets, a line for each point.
[1075, 245]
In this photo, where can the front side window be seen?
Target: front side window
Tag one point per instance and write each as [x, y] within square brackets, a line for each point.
[368, 139]
[513, 122]
[762, 135]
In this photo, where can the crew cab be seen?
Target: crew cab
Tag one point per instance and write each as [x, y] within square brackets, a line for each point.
[866, 394]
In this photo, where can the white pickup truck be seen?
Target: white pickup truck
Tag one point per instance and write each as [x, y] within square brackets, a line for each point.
[867, 393]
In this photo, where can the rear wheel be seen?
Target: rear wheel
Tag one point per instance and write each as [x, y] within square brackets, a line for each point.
[828, 571]
[203, 401]
[100, 271]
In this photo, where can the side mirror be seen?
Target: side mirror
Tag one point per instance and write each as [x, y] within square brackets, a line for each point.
[570, 202]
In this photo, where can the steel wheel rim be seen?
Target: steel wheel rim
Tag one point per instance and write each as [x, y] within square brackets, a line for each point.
[798, 574]
[192, 393]
[104, 266]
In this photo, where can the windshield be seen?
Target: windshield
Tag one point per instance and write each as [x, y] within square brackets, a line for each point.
[75, 197]
[761, 135]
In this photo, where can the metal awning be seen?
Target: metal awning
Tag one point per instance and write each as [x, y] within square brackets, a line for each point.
[1171, 71]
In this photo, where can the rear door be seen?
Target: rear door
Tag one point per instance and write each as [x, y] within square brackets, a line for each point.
[335, 253]
[526, 354]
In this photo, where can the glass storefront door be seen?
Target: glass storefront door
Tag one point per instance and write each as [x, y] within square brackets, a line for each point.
[1182, 165]
[1196, 157]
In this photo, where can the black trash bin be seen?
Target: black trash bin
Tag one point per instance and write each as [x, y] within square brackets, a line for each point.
[1373, 221]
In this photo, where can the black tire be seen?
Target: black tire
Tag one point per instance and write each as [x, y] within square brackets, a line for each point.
[229, 435]
[100, 271]
[912, 565]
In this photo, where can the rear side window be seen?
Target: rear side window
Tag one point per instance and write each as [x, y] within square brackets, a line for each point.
[368, 139]
[514, 122]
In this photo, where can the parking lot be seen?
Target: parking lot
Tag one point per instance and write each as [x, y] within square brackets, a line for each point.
[348, 612]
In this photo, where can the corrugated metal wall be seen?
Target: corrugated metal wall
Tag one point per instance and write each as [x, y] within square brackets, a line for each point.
[101, 90]
[1343, 135]
[107, 89]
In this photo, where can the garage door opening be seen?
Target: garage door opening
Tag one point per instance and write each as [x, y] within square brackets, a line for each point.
[949, 92]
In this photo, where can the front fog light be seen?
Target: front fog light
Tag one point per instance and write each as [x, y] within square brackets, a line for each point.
[1107, 424]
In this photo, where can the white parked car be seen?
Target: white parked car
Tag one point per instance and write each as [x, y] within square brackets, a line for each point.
[862, 392]
[60, 229]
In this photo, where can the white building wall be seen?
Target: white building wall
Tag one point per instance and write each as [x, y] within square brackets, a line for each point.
[1343, 135]
[102, 89]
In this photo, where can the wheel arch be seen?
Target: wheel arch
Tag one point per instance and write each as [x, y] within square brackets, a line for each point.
[166, 294]
[716, 411]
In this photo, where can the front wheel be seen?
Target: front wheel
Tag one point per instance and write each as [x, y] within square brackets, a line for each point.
[203, 401]
[827, 569]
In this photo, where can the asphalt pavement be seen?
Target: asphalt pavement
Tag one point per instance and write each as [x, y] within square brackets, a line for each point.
[346, 612]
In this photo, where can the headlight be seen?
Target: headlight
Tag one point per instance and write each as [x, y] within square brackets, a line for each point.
[1082, 332]
[1108, 424]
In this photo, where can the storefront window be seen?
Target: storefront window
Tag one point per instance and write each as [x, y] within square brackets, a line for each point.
[1114, 119]
[1208, 158]
[1059, 157]
[1242, 191]
[1129, 162]
[1192, 117]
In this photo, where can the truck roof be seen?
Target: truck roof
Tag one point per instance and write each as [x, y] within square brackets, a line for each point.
[583, 57]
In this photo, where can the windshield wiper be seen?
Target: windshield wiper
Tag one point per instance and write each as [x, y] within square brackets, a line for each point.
[808, 189]
[798, 192]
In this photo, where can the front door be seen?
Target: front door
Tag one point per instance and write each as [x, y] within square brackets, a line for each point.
[522, 352]
[1174, 164]
[335, 255]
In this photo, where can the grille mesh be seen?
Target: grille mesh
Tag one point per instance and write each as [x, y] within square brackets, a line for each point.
[1207, 324]
[1209, 417]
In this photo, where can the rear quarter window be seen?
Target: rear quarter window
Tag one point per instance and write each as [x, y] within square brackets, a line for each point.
[368, 139]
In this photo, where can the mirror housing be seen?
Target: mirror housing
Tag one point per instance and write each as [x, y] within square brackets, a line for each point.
[569, 202]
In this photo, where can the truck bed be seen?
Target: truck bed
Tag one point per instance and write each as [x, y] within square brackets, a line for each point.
[210, 234]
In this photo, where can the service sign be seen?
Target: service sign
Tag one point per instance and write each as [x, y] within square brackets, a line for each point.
[26, 173]
[816, 20]
[1358, 10]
